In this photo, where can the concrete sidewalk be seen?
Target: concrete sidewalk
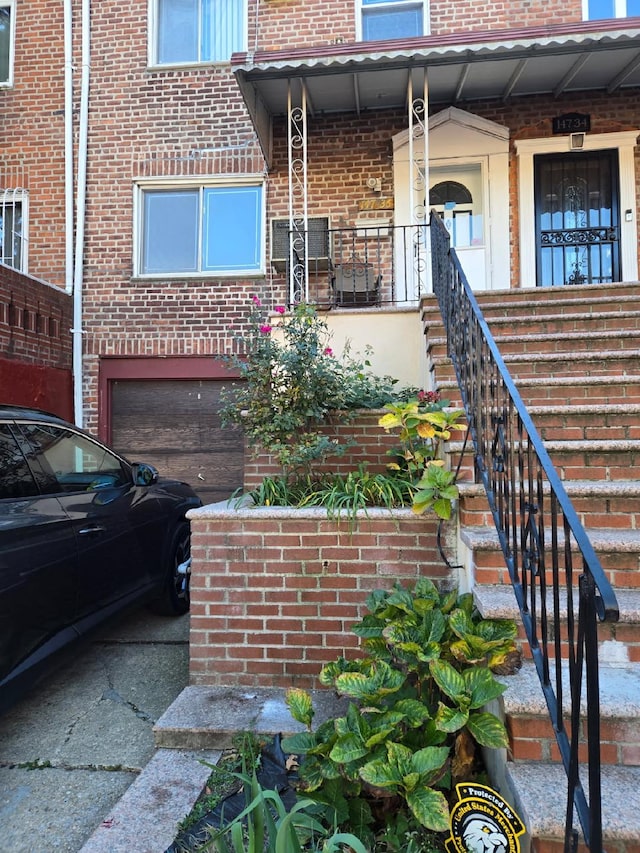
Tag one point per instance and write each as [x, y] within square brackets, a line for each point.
[194, 729]
[72, 747]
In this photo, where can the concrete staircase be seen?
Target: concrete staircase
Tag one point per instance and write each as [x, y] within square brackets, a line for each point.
[574, 354]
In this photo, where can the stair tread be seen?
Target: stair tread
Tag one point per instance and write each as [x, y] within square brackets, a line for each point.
[611, 539]
[619, 692]
[582, 488]
[499, 602]
[556, 381]
[543, 786]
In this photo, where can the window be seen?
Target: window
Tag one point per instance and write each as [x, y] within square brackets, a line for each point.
[597, 10]
[17, 480]
[13, 242]
[73, 462]
[390, 19]
[208, 230]
[7, 39]
[197, 30]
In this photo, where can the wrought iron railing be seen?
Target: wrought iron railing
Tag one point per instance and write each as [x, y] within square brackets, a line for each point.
[559, 584]
[357, 267]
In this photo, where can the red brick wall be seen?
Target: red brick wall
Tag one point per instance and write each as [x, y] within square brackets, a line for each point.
[35, 343]
[371, 443]
[275, 592]
[295, 23]
[158, 122]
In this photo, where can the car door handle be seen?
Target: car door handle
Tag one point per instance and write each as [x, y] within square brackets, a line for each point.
[92, 530]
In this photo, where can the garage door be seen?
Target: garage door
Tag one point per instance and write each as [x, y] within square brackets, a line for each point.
[174, 425]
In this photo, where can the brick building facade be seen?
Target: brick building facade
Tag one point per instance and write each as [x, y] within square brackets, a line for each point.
[192, 151]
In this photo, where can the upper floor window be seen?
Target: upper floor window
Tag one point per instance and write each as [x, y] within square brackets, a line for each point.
[597, 10]
[13, 239]
[391, 19]
[187, 31]
[7, 39]
[201, 230]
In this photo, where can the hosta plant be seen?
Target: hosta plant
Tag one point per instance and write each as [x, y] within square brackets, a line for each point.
[415, 715]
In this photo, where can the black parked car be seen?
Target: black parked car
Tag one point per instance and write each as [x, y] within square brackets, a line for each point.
[83, 534]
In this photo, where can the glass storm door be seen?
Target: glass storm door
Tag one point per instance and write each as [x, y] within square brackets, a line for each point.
[577, 218]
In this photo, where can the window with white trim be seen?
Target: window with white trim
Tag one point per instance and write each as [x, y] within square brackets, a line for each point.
[215, 229]
[598, 10]
[189, 31]
[13, 221]
[7, 41]
[391, 19]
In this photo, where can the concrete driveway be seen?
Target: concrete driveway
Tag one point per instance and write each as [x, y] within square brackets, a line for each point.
[73, 746]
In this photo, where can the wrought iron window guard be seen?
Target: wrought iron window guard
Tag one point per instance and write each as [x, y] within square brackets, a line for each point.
[556, 575]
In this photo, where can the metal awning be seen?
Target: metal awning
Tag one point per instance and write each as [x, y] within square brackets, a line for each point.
[358, 77]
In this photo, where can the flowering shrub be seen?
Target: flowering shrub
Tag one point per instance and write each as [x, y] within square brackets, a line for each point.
[294, 383]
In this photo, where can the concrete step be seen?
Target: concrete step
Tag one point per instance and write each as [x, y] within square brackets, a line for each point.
[531, 737]
[602, 503]
[617, 550]
[553, 391]
[619, 422]
[520, 337]
[618, 643]
[538, 792]
[208, 717]
[582, 364]
[597, 460]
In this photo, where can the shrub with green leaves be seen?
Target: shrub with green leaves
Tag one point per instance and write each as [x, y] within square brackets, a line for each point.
[415, 716]
[294, 382]
[424, 423]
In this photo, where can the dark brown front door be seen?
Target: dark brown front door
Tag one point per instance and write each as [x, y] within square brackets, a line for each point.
[577, 218]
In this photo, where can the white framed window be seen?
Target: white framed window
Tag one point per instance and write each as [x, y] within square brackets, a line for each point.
[194, 31]
[211, 229]
[598, 10]
[390, 19]
[7, 41]
[13, 228]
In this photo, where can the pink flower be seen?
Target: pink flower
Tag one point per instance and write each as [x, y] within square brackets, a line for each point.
[280, 309]
[265, 330]
[327, 351]
[256, 301]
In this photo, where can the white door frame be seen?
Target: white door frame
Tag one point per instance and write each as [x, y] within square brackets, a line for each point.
[624, 142]
[457, 136]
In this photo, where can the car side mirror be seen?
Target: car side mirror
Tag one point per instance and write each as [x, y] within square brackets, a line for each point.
[144, 474]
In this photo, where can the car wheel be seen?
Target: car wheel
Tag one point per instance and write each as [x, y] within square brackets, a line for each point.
[174, 600]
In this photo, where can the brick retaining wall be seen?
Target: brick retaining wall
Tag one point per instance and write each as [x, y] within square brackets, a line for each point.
[275, 591]
[371, 443]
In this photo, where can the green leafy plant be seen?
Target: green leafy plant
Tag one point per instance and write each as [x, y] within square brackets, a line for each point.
[294, 383]
[424, 423]
[415, 717]
[341, 495]
[266, 825]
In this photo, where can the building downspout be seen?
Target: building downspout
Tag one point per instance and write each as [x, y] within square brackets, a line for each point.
[77, 330]
[68, 143]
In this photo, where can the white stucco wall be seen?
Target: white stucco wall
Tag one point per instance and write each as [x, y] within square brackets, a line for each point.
[395, 336]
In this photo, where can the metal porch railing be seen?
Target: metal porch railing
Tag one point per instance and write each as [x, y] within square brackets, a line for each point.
[553, 567]
[355, 267]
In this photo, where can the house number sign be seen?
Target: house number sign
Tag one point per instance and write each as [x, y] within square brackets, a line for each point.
[571, 123]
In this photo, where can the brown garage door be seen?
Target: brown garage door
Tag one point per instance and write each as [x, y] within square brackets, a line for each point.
[174, 425]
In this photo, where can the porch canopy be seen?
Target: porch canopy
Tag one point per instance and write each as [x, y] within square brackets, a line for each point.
[460, 69]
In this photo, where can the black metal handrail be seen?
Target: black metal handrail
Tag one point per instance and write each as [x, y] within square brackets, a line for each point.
[550, 559]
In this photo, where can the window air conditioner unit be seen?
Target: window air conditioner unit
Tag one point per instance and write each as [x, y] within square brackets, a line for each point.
[317, 241]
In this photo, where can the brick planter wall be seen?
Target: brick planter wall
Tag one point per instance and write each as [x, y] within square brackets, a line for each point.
[371, 443]
[275, 591]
